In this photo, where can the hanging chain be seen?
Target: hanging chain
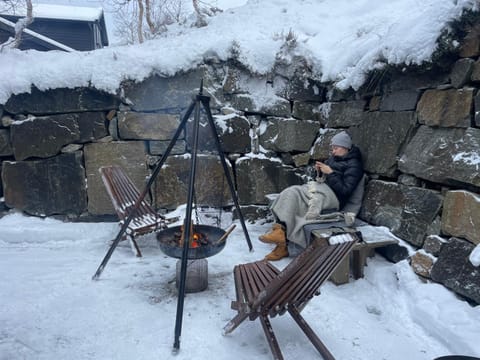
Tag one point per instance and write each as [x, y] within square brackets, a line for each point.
[195, 207]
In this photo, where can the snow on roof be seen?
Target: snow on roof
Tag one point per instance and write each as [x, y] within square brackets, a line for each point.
[64, 12]
[342, 41]
[46, 39]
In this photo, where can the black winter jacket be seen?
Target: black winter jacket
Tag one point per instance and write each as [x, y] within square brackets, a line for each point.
[347, 173]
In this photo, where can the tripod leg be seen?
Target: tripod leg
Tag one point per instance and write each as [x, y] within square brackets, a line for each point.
[135, 207]
[187, 221]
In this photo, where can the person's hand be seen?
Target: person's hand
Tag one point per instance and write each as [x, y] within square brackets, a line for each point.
[324, 168]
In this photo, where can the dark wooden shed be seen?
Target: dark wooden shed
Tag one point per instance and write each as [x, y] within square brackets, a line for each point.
[58, 27]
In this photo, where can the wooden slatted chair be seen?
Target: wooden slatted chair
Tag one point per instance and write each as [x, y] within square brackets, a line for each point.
[263, 291]
[124, 194]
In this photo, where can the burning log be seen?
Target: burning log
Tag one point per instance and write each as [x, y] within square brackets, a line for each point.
[196, 238]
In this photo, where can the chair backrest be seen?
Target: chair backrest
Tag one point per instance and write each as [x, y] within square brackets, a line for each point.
[124, 193]
[301, 278]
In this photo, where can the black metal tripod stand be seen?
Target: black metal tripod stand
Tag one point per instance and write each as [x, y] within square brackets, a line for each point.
[203, 100]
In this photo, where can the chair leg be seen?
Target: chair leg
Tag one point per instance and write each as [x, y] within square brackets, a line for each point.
[271, 339]
[233, 324]
[322, 349]
[135, 247]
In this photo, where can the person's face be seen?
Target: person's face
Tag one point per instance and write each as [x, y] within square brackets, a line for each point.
[338, 150]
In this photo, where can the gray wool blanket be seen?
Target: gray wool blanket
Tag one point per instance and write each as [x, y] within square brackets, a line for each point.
[292, 204]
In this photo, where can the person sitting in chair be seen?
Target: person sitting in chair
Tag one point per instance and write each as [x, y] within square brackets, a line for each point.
[299, 205]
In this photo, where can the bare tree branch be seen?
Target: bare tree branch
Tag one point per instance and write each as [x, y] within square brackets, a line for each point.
[200, 18]
[148, 16]
[140, 21]
[23, 23]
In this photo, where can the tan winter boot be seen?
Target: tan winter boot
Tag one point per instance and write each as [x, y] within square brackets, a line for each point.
[275, 236]
[278, 253]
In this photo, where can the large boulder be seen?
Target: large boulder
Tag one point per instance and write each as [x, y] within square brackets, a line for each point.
[130, 155]
[62, 100]
[461, 215]
[301, 89]
[91, 126]
[260, 176]
[234, 133]
[266, 103]
[381, 137]
[46, 187]
[461, 72]
[400, 90]
[210, 183]
[162, 93]
[256, 94]
[341, 114]
[443, 155]
[407, 211]
[158, 147]
[44, 136]
[454, 270]
[446, 108]
[401, 100]
[146, 126]
[288, 135]
[306, 111]
[470, 46]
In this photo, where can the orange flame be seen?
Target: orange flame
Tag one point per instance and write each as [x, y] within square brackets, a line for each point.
[195, 241]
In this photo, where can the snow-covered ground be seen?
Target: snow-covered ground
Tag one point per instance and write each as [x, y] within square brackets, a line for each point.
[341, 39]
[51, 309]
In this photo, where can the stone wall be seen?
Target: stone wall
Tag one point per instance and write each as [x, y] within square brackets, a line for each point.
[418, 130]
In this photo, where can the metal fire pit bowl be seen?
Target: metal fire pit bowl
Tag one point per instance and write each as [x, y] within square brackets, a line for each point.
[212, 233]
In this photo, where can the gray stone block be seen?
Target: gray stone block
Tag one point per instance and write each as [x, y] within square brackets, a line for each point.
[147, 126]
[289, 135]
[46, 187]
[130, 155]
[342, 114]
[257, 177]
[161, 93]
[402, 100]
[61, 100]
[443, 155]
[5, 146]
[406, 211]
[461, 215]
[446, 108]
[454, 270]
[44, 136]
[211, 185]
[381, 137]
[461, 72]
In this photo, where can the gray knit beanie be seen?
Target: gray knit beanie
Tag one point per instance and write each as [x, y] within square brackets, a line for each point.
[342, 139]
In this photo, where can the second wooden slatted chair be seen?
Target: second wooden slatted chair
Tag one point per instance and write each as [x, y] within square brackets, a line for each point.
[263, 291]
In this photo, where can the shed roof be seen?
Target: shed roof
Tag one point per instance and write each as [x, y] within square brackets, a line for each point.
[49, 11]
[55, 13]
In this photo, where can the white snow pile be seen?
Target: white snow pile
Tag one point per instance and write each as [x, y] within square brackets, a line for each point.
[341, 39]
[51, 309]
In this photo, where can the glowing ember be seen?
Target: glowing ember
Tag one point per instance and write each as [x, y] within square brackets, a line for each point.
[197, 239]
